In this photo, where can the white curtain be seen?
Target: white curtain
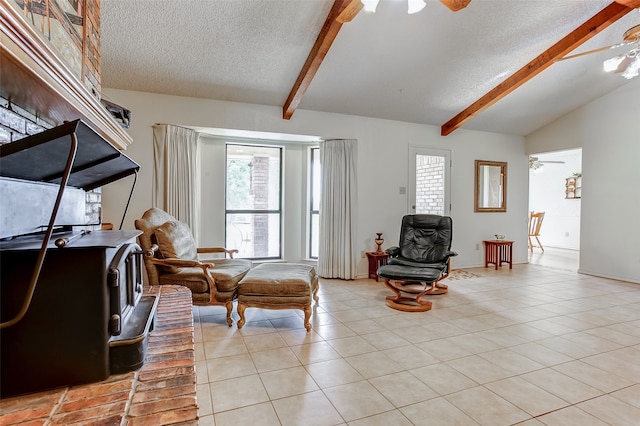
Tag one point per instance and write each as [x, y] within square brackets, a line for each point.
[337, 257]
[176, 186]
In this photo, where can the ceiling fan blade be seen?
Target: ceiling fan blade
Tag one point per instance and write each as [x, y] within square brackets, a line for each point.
[632, 35]
[456, 5]
[588, 52]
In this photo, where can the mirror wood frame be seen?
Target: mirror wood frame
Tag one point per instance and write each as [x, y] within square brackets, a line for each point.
[502, 207]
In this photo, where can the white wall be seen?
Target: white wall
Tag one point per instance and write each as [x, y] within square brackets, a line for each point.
[561, 224]
[383, 148]
[608, 131]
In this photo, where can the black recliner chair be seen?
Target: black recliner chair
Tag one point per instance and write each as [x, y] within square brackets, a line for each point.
[415, 268]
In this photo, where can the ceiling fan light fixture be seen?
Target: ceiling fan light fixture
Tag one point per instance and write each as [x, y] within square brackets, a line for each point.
[370, 5]
[534, 164]
[628, 64]
[615, 64]
[415, 6]
[633, 69]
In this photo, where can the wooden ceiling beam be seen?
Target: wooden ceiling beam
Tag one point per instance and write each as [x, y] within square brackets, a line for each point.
[634, 4]
[352, 8]
[341, 11]
[455, 5]
[584, 32]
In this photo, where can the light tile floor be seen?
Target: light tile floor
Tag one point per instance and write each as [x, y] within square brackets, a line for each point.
[531, 346]
[556, 258]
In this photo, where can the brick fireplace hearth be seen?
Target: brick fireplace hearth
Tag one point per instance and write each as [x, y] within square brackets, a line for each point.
[162, 392]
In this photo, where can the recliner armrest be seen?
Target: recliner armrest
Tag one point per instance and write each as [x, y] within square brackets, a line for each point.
[393, 251]
[451, 254]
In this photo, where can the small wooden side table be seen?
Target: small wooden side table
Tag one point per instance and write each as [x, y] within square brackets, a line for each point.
[375, 261]
[498, 252]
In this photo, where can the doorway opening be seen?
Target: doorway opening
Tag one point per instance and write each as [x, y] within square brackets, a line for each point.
[555, 188]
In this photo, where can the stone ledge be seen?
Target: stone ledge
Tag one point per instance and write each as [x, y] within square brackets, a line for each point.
[162, 392]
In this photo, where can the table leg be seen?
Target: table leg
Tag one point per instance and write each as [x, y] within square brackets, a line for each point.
[486, 255]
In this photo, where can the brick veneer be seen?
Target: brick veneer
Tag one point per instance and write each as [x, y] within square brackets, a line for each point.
[162, 392]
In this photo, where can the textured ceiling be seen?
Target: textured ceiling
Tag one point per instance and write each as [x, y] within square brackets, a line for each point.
[422, 68]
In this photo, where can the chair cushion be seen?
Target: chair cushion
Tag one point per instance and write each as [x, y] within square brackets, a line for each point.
[409, 273]
[409, 262]
[279, 280]
[227, 273]
[148, 223]
[175, 241]
[192, 278]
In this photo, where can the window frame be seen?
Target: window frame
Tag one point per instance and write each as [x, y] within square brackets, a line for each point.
[278, 211]
[314, 155]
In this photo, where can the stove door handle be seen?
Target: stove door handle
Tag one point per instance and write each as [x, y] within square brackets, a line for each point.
[114, 301]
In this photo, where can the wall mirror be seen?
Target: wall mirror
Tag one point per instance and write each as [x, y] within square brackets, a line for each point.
[491, 186]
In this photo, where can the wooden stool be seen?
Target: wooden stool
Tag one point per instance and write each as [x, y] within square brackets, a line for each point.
[498, 252]
[376, 260]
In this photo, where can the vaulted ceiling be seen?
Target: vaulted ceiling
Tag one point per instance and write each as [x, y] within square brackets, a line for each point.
[490, 66]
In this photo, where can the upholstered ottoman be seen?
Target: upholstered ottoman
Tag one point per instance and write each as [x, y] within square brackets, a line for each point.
[278, 286]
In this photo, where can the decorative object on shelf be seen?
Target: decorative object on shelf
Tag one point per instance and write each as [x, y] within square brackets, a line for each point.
[573, 186]
[120, 114]
[499, 236]
[379, 240]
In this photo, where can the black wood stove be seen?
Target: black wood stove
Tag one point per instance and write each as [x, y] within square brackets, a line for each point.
[72, 307]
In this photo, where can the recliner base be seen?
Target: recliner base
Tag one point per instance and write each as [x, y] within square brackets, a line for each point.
[412, 303]
[411, 287]
[408, 304]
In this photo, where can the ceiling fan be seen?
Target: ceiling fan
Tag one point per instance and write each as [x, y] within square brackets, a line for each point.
[418, 5]
[535, 163]
[354, 6]
[627, 64]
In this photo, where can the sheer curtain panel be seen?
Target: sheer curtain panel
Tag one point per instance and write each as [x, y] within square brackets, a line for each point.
[175, 173]
[337, 257]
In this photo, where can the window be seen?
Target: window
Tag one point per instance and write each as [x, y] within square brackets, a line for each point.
[254, 201]
[314, 203]
[429, 181]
